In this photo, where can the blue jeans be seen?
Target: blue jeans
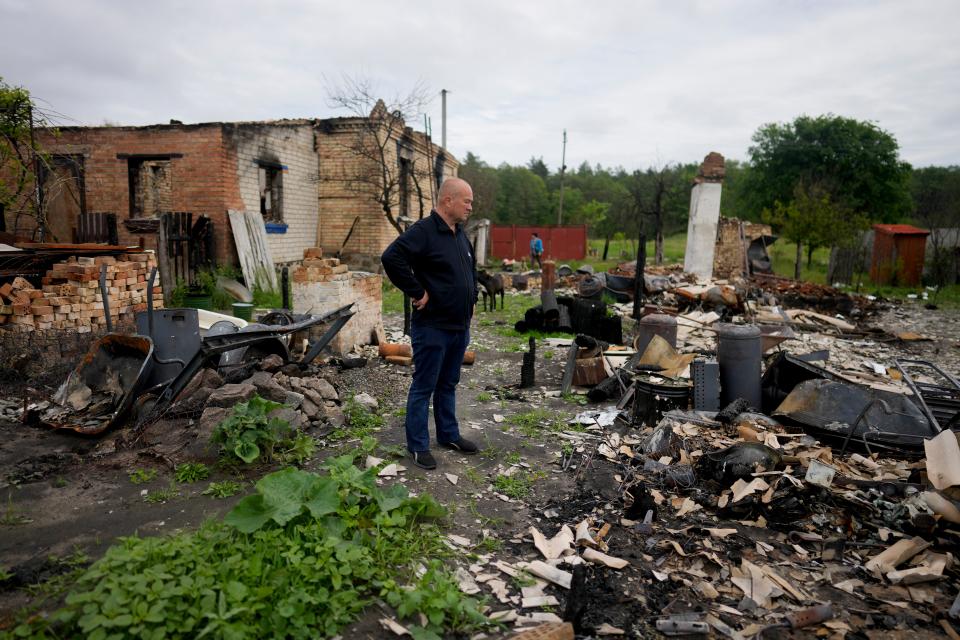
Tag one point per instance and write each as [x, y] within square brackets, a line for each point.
[437, 358]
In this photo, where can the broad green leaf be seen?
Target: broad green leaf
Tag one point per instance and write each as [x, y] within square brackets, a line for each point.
[250, 514]
[323, 497]
[247, 451]
[391, 498]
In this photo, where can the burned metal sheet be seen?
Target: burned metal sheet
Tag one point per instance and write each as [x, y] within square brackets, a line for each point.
[98, 394]
[785, 373]
[863, 417]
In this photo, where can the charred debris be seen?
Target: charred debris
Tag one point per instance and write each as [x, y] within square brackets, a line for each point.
[777, 466]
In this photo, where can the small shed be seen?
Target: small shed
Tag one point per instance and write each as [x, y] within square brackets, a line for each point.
[898, 252]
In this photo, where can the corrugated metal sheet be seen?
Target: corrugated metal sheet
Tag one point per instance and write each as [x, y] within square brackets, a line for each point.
[898, 254]
[568, 242]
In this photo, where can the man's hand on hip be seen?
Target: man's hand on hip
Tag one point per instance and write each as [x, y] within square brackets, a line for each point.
[422, 302]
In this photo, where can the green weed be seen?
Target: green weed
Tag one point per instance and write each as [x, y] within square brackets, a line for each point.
[249, 434]
[484, 396]
[515, 486]
[302, 557]
[360, 423]
[162, 495]
[143, 476]
[223, 489]
[189, 472]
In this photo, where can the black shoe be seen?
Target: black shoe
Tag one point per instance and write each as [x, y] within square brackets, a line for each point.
[423, 459]
[463, 446]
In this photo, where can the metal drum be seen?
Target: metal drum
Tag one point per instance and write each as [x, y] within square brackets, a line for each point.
[656, 324]
[739, 351]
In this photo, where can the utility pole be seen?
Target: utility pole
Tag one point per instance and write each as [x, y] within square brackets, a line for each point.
[563, 168]
[443, 118]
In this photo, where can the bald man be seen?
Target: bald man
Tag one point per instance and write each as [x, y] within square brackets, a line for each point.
[433, 263]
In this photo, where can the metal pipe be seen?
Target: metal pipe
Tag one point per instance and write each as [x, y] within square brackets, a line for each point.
[443, 118]
[150, 281]
[105, 297]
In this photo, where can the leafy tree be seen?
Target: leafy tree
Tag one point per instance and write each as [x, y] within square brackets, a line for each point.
[539, 167]
[855, 162]
[522, 197]
[811, 218]
[936, 198]
[485, 181]
[20, 157]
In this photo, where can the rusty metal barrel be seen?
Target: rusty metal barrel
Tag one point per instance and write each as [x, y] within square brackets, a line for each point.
[656, 324]
[740, 354]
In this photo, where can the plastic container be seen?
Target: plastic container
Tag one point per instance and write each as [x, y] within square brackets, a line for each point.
[243, 310]
[740, 354]
[198, 301]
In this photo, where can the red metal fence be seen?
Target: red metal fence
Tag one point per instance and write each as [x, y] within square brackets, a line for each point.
[568, 242]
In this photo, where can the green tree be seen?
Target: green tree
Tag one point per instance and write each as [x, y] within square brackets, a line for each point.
[936, 200]
[522, 197]
[539, 167]
[20, 157]
[811, 218]
[856, 163]
[485, 181]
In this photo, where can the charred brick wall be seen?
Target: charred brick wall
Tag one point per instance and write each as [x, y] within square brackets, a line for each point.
[289, 145]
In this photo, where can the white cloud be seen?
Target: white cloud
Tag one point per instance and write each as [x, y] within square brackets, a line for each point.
[634, 83]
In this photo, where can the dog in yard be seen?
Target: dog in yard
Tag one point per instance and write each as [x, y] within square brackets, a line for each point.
[492, 285]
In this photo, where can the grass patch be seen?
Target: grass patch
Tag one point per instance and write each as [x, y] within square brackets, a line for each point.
[518, 485]
[574, 398]
[162, 495]
[361, 423]
[484, 396]
[392, 298]
[625, 250]
[223, 489]
[303, 557]
[267, 299]
[538, 422]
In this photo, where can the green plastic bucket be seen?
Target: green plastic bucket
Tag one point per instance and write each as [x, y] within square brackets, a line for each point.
[202, 301]
[243, 310]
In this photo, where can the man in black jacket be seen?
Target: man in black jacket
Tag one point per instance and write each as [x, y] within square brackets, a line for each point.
[433, 263]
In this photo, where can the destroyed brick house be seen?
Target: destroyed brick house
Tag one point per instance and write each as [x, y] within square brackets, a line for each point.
[305, 177]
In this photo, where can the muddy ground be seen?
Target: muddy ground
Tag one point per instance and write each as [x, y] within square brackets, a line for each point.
[63, 496]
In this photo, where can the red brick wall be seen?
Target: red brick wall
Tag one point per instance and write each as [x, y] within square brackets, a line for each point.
[203, 179]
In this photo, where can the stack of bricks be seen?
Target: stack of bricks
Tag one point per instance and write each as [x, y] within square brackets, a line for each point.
[70, 296]
[320, 285]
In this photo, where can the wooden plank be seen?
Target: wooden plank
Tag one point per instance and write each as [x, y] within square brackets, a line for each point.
[256, 262]
[257, 230]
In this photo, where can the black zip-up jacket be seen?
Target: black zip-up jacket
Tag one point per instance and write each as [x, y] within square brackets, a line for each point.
[429, 257]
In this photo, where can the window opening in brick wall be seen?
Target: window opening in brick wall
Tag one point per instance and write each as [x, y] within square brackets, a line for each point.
[270, 178]
[151, 186]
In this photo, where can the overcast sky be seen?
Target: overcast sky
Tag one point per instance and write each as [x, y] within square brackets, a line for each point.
[633, 83]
